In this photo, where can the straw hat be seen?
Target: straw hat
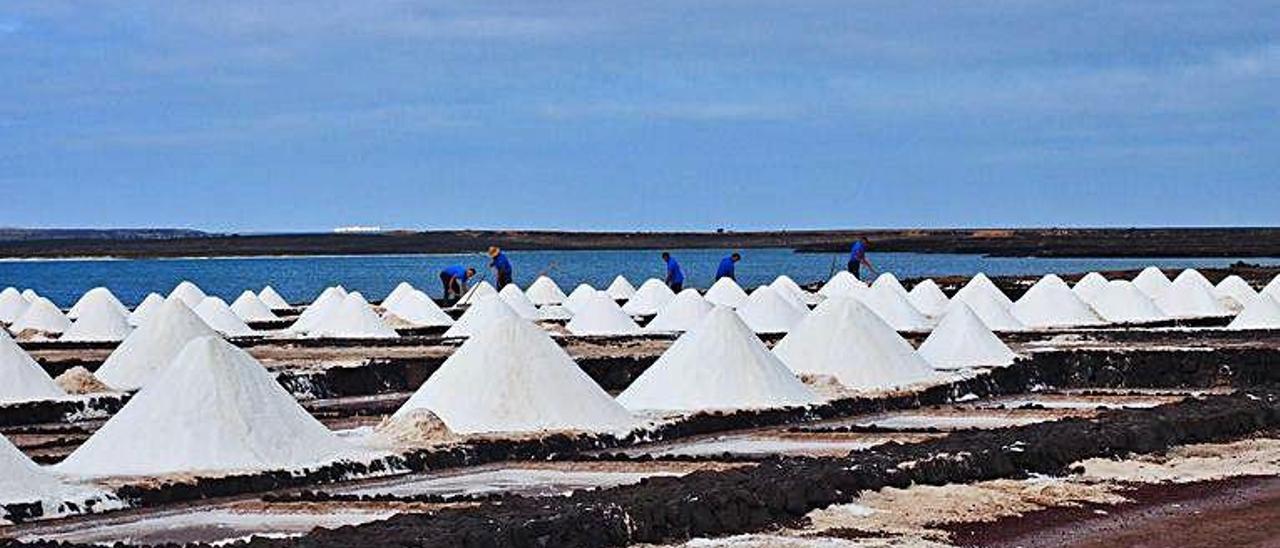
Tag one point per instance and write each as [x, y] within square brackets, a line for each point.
[493, 251]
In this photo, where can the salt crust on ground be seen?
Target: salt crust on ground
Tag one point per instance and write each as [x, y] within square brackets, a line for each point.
[484, 312]
[544, 291]
[767, 310]
[649, 298]
[720, 364]
[21, 378]
[726, 292]
[961, 340]
[597, 314]
[680, 314]
[152, 346]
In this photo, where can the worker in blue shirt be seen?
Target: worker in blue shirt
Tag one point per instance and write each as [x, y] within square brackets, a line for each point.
[501, 266]
[675, 276]
[858, 257]
[725, 270]
[455, 279]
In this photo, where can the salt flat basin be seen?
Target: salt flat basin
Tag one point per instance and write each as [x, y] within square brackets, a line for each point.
[212, 525]
[771, 443]
[538, 481]
[1080, 401]
[961, 418]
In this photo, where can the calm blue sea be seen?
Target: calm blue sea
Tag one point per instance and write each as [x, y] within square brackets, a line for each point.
[299, 279]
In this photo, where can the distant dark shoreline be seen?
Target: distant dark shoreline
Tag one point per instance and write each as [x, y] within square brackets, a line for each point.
[1103, 242]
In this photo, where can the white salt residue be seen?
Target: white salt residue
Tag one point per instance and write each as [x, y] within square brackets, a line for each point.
[12, 304]
[962, 340]
[1234, 292]
[720, 364]
[620, 289]
[152, 346]
[928, 298]
[1191, 296]
[554, 312]
[96, 297]
[845, 339]
[649, 298]
[273, 299]
[1260, 312]
[1089, 286]
[522, 481]
[214, 408]
[597, 314]
[214, 526]
[842, 284]
[529, 385]
[920, 421]
[779, 541]
[726, 292]
[768, 311]
[894, 308]
[352, 319]
[216, 314]
[23, 482]
[250, 308]
[1191, 463]
[544, 291]
[401, 289]
[1121, 301]
[41, 316]
[21, 378]
[99, 320]
[753, 445]
[680, 314]
[484, 312]
[1051, 303]
[145, 309]
[190, 294]
[417, 309]
[519, 303]
[1152, 281]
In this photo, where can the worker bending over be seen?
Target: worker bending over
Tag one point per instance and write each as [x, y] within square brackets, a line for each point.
[454, 279]
[675, 276]
[725, 270]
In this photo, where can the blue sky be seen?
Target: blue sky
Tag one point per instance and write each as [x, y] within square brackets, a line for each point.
[310, 114]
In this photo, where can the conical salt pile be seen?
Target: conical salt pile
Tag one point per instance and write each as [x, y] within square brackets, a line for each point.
[1089, 287]
[213, 408]
[152, 346]
[484, 312]
[250, 308]
[353, 318]
[544, 291]
[554, 312]
[726, 292]
[145, 309]
[1051, 303]
[845, 339]
[273, 299]
[842, 284]
[1260, 312]
[1191, 296]
[529, 385]
[620, 289]
[1122, 302]
[328, 300]
[99, 321]
[42, 316]
[12, 304]
[768, 311]
[894, 308]
[190, 294]
[216, 314]
[928, 298]
[21, 378]
[990, 309]
[790, 288]
[890, 281]
[1234, 292]
[401, 289]
[649, 298]
[983, 285]
[519, 302]
[961, 340]
[417, 309]
[578, 297]
[478, 291]
[97, 296]
[24, 483]
[599, 315]
[1152, 281]
[29, 294]
[684, 312]
[720, 364]
[1273, 287]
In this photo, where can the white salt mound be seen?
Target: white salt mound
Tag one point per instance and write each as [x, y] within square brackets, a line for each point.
[326, 302]
[894, 308]
[890, 281]
[250, 308]
[620, 289]
[29, 294]
[1260, 312]
[98, 296]
[842, 284]
[578, 297]
[519, 302]
[41, 316]
[649, 298]
[417, 309]
[598, 314]
[1234, 292]
[99, 321]
[928, 298]
[216, 314]
[22, 482]
[961, 340]
[1190, 296]
[214, 408]
[529, 385]
[12, 304]
[401, 289]
[845, 339]
[554, 312]
[484, 312]
[21, 378]
[1152, 281]
[684, 312]
[720, 364]
[145, 309]
[726, 292]
[1273, 287]
[768, 311]
[1051, 303]
[273, 299]
[982, 285]
[790, 288]
[152, 346]
[478, 291]
[1196, 277]
[1090, 286]
[190, 294]
[352, 319]
[993, 313]
[1122, 302]
[544, 291]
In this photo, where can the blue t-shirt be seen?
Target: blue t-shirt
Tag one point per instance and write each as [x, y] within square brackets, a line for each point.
[456, 271]
[674, 274]
[501, 264]
[726, 268]
[857, 252]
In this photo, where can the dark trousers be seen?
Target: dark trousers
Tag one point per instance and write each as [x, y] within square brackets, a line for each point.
[855, 268]
[504, 278]
[450, 287]
[676, 287]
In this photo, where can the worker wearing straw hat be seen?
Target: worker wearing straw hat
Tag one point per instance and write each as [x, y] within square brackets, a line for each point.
[500, 265]
[858, 257]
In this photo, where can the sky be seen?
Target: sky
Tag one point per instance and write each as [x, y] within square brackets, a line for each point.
[301, 115]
